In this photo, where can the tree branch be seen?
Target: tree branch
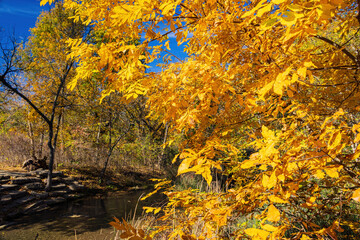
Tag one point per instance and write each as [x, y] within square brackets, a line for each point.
[343, 49]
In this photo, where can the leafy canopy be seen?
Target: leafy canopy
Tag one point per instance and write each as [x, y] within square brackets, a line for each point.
[278, 76]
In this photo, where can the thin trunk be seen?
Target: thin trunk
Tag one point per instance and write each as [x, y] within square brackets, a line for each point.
[51, 160]
[110, 145]
[57, 130]
[32, 141]
[51, 144]
[97, 156]
[61, 137]
[109, 154]
[161, 160]
[40, 153]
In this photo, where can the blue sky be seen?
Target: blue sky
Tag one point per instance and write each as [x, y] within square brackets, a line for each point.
[18, 16]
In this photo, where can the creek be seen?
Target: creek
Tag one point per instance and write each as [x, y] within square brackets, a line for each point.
[87, 218]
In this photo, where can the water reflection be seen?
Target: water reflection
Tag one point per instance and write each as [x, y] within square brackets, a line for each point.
[81, 217]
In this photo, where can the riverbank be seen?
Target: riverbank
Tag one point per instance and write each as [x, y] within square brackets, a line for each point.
[86, 218]
[22, 193]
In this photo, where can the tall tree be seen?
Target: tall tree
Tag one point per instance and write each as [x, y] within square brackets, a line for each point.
[260, 74]
[46, 71]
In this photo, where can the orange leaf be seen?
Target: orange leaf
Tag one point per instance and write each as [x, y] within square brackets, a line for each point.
[257, 233]
[356, 195]
[273, 214]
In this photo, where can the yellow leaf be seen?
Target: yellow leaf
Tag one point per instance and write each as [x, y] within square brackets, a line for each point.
[43, 2]
[207, 175]
[281, 177]
[265, 180]
[278, 1]
[266, 133]
[273, 214]
[305, 237]
[335, 140]
[167, 45]
[252, 11]
[257, 233]
[356, 195]
[319, 174]
[184, 165]
[272, 180]
[289, 19]
[357, 138]
[333, 172]
[302, 72]
[248, 164]
[275, 199]
[336, 2]
[269, 228]
[265, 90]
[167, 7]
[268, 24]
[356, 153]
[263, 10]
[281, 81]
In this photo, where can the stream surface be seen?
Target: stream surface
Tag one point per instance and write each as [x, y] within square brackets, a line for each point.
[86, 218]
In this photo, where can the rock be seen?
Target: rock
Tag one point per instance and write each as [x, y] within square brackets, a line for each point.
[54, 201]
[4, 177]
[44, 174]
[35, 207]
[7, 224]
[35, 163]
[72, 196]
[57, 174]
[5, 199]
[57, 180]
[58, 186]
[75, 186]
[15, 213]
[57, 193]
[4, 181]
[25, 199]
[26, 193]
[22, 180]
[41, 195]
[7, 187]
[16, 194]
[34, 186]
[69, 179]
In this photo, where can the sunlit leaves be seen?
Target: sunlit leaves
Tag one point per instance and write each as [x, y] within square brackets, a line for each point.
[273, 214]
[356, 195]
[128, 231]
[269, 75]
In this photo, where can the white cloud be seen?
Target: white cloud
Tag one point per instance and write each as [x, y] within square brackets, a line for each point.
[4, 8]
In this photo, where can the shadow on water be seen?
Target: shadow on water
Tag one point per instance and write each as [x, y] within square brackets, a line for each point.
[80, 217]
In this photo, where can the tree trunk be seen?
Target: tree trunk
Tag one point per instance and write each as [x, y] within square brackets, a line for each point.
[32, 140]
[40, 153]
[51, 159]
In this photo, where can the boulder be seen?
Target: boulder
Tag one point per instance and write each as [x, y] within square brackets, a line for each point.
[54, 201]
[76, 187]
[8, 187]
[35, 163]
[23, 180]
[34, 186]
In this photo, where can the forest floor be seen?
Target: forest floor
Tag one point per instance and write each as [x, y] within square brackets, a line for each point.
[115, 179]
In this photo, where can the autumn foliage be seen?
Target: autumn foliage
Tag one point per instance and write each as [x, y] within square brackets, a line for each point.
[279, 77]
